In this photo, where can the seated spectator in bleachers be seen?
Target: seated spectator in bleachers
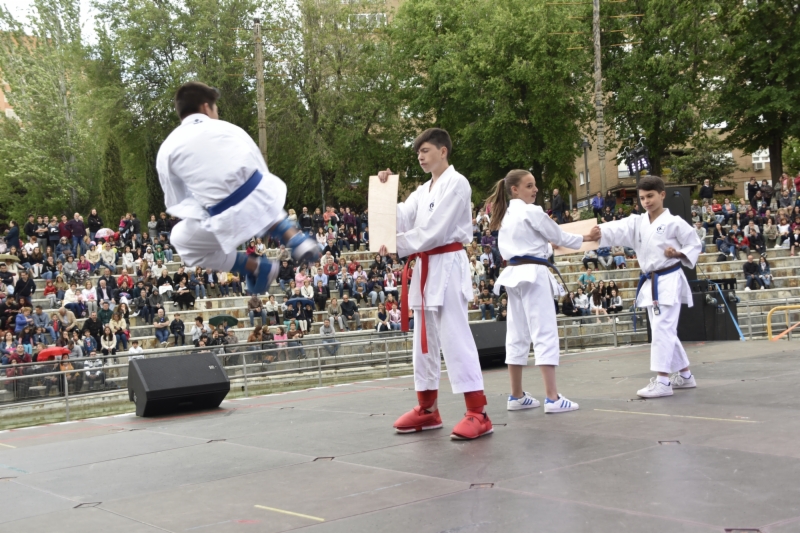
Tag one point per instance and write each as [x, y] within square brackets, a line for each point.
[586, 278]
[581, 302]
[161, 325]
[764, 272]
[335, 314]
[395, 318]
[741, 243]
[375, 289]
[350, 311]
[752, 274]
[476, 270]
[306, 318]
[295, 335]
[285, 275]
[119, 327]
[486, 303]
[590, 256]
[93, 371]
[757, 242]
[108, 342]
[390, 284]
[255, 308]
[598, 305]
[604, 257]
[794, 241]
[382, 322]
[332, 249]
[328, 337]
[273, 309]
[178, 328]
[199, 331]
[618, 253]
[289, 314]
[568, 306]
[321, 295]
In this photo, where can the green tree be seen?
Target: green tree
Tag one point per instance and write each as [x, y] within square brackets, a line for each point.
[659, 88]
[331, 104]
[709, 159]
[112, 183]
[48, 153]
[759, 97]
[510, 95]
[791, 156]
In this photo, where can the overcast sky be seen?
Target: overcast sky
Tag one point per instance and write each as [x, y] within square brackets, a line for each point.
[20, 8]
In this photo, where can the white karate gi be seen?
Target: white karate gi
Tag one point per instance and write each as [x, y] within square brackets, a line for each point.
[527, 230]
[199, 165]
[426, 220]
[649, 240]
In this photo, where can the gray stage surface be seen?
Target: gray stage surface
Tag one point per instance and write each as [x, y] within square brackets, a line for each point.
[726, 455]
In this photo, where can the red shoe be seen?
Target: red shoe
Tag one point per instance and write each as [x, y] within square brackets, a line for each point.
[418, 419]
[472, 426]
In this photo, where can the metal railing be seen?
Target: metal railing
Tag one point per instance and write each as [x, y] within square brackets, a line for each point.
[252, 365]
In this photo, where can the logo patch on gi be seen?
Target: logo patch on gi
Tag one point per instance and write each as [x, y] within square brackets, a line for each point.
[430, 207]
[660, 230]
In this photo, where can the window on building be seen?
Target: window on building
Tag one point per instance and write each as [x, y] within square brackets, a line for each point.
[580, 178]
[760, 159]
[367, 20]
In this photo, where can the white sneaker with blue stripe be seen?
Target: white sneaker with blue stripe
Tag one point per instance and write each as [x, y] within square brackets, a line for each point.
[526, 402]
[562, 405]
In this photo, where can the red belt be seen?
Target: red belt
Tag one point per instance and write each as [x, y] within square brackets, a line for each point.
[423, 257]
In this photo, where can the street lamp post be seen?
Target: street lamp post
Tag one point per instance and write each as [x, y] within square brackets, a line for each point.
[586, 147]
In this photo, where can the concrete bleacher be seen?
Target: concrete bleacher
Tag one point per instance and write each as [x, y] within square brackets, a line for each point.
[784, 269]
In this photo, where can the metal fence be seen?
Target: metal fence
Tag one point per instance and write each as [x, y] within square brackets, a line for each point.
[252, 364]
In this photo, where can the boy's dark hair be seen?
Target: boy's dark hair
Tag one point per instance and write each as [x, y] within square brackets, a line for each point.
[437, 137]
[192, 95]
[651, 183]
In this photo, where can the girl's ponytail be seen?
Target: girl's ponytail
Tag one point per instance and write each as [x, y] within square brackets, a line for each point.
[502, 193]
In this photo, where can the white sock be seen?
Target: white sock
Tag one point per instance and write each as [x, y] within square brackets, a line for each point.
[686, 375]
[663, 379]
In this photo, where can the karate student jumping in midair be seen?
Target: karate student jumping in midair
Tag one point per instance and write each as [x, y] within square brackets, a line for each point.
[433, 225]
[524, 241]
[215, 179]
[663, 242]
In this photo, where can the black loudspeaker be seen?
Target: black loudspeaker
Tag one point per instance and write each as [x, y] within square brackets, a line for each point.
[710, 319]
[490, 338]
[679, 203]
[167, 384]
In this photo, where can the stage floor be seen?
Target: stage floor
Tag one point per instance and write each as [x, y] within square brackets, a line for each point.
[725, 455]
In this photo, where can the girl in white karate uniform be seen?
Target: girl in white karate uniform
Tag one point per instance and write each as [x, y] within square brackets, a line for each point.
[525, 234]
[663, 242]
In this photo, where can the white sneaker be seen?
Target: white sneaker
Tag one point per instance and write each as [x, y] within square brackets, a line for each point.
[616, 320]
[562, 405]
[655, 389]
[135, 314]
[526, 402]
[747, 288]
[680, 382]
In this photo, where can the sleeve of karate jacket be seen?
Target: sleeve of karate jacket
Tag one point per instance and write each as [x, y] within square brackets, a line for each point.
[441, 225]
[689, 241]
[619, 232]
[174, 189]
[547, 227]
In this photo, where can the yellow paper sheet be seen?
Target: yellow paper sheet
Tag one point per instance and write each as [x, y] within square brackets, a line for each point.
[582, 227]
[383, 213]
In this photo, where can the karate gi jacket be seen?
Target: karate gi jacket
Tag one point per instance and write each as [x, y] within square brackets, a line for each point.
[649, 241]
[432, 218]
[527, 230]
[201, 163]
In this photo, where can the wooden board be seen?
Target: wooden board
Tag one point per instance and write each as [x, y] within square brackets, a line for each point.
[382, 203]
[582, 227]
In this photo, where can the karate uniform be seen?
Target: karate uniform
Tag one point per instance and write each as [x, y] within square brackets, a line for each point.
[426, 220]
[527, 230]
[200, 164]
[649, 240]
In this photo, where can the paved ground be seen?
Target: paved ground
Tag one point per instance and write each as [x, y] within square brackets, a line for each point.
[726, 455]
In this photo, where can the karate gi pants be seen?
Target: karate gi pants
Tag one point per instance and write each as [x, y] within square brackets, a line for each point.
[666, 352]
[448, 328]
[198, 247]
[531, 318]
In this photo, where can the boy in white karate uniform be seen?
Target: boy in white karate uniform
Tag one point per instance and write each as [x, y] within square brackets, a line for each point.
[433, 225]
[663, 242]
[215, 180]
[524, 241]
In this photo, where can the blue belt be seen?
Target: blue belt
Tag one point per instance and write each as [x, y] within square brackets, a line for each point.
[236, 196]
[654, 275]
[533, 260]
